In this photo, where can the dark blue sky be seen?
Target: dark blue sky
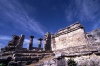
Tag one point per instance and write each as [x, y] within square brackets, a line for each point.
[36, 17]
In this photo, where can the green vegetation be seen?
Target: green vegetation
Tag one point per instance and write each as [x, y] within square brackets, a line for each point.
[71, 62]
[4, 64]
[1, 64]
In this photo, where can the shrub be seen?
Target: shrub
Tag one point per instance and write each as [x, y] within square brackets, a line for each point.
[1, 64]
[71, 62]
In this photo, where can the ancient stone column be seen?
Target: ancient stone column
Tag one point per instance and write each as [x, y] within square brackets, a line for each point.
[31, 42]
[40, 42]
[20, 42]
[47, 41]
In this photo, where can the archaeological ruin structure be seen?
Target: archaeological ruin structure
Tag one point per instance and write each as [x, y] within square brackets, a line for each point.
[71, 42]
[15, 55]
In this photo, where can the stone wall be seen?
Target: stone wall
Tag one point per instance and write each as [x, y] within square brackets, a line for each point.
[71, 36]
[93, 36]
[88, 60]
[73, 42]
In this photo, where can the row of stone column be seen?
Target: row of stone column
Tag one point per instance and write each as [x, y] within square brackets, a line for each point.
[31, 42]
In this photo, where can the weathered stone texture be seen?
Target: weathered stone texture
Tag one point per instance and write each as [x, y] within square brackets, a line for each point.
[47, 41]
[71, 36]
[75, 38]
[93, 36]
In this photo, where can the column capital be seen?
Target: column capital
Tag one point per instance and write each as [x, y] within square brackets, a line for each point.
[40, 39]
[31, 36]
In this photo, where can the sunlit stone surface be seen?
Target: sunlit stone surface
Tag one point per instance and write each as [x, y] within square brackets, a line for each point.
[71, 36]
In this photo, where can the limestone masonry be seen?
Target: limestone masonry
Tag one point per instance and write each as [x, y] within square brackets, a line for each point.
[74, 42]
[70, 42]
[72, 36]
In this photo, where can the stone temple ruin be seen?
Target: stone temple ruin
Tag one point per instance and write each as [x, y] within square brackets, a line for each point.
[16, 55]
[70, 42]
[17, 42]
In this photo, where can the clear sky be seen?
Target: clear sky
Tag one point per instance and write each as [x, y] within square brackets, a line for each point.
[36, 17]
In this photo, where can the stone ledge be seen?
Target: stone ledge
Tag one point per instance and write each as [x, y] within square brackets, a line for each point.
[68, 31]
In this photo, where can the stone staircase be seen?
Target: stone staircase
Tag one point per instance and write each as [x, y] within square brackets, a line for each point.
[42, 61]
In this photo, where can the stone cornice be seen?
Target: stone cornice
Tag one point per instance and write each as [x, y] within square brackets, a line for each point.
[68, 31]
